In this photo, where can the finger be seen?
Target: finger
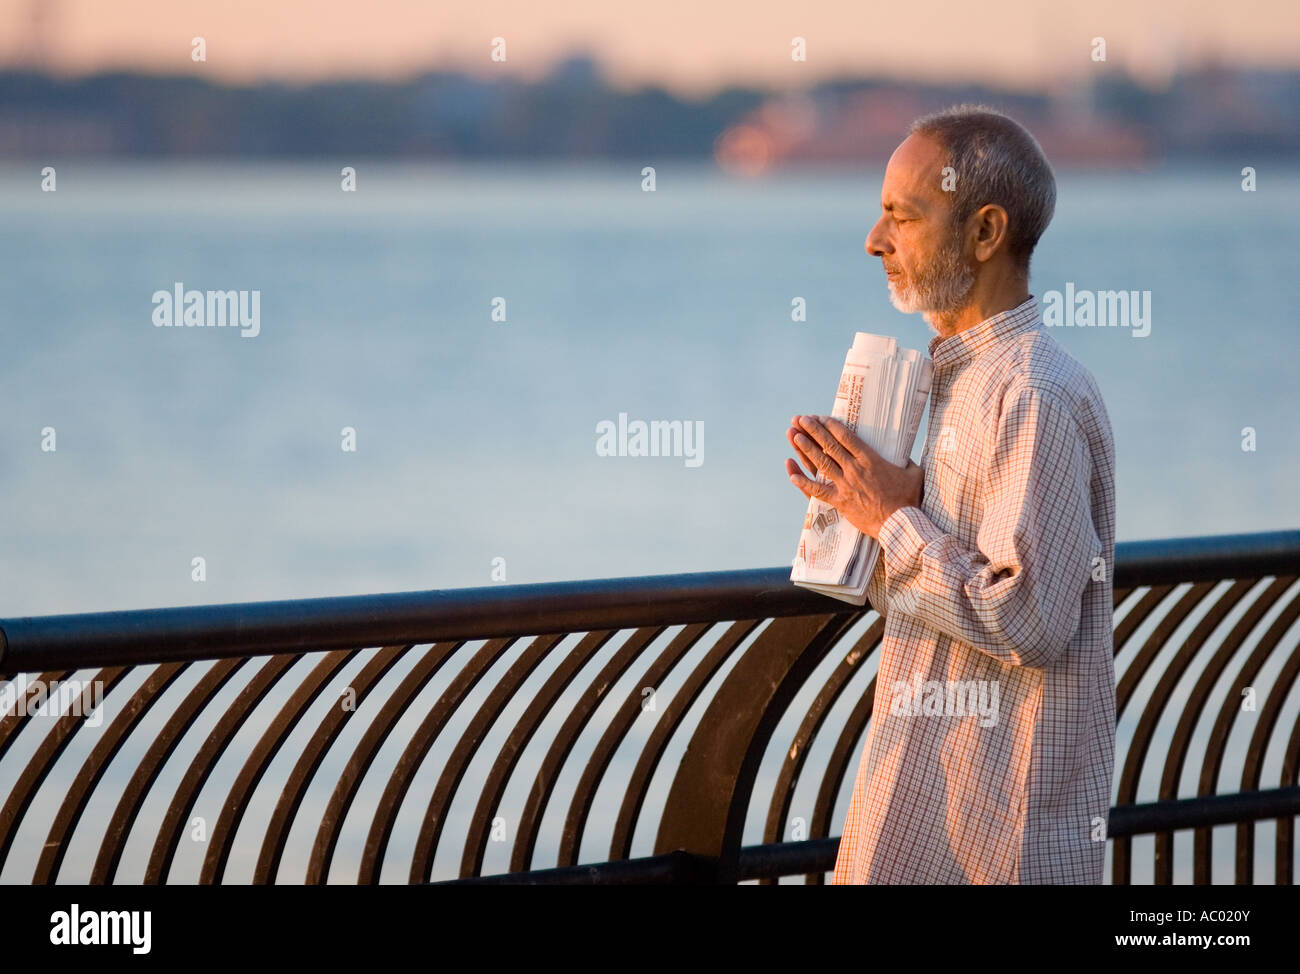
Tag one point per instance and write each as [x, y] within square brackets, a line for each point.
[809, 488]
[798, 441]
[821, 461]
[808, 465]
[823, 439]
[845, 434]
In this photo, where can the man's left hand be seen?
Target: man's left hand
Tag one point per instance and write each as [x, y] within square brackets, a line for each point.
[863, 486]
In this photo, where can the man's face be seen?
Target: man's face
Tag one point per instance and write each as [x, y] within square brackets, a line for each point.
[923, 255]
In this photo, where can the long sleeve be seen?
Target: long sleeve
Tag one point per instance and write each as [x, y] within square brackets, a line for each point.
[876, 587]
[1018, 595]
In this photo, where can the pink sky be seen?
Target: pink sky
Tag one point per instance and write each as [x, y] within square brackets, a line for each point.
[692, 46]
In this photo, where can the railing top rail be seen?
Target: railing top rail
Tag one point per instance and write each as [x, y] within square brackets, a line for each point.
[141, 636]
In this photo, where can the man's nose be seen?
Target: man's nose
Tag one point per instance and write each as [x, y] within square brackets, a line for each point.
[878, 244]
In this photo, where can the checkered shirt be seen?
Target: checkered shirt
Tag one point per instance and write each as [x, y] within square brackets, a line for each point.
[1000, 584]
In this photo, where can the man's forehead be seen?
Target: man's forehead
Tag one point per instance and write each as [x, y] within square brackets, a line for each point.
[914, 172]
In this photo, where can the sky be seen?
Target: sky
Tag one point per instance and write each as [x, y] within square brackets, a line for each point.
[691, 47]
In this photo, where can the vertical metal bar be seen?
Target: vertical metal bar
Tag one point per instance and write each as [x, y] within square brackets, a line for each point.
[705, 812]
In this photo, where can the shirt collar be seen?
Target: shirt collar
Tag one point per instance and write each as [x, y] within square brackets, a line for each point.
[966, 344]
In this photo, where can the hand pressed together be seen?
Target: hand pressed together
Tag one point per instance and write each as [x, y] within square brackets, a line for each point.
[863, 486]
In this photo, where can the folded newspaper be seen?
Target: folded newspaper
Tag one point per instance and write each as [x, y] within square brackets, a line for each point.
[881, 396]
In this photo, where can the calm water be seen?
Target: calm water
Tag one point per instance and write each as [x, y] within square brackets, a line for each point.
[476, 438]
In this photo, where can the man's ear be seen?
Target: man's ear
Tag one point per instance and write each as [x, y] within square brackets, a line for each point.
[988, 229]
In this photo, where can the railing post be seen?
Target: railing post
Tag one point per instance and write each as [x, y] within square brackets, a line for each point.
[707, 804]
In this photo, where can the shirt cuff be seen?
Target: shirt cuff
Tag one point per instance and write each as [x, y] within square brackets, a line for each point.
[903, 536]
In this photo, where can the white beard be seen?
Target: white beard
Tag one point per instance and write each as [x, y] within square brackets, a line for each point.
[942, 286]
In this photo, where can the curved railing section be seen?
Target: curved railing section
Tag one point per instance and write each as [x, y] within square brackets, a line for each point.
[685, 728]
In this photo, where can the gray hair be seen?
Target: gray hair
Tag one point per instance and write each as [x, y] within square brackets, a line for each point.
[996, 160]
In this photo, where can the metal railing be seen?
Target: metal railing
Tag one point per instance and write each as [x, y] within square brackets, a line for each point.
[356, 739]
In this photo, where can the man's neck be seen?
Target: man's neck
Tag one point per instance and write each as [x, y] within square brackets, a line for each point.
[984, 304]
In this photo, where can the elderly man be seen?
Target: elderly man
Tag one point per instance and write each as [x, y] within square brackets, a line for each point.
[996, 552]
